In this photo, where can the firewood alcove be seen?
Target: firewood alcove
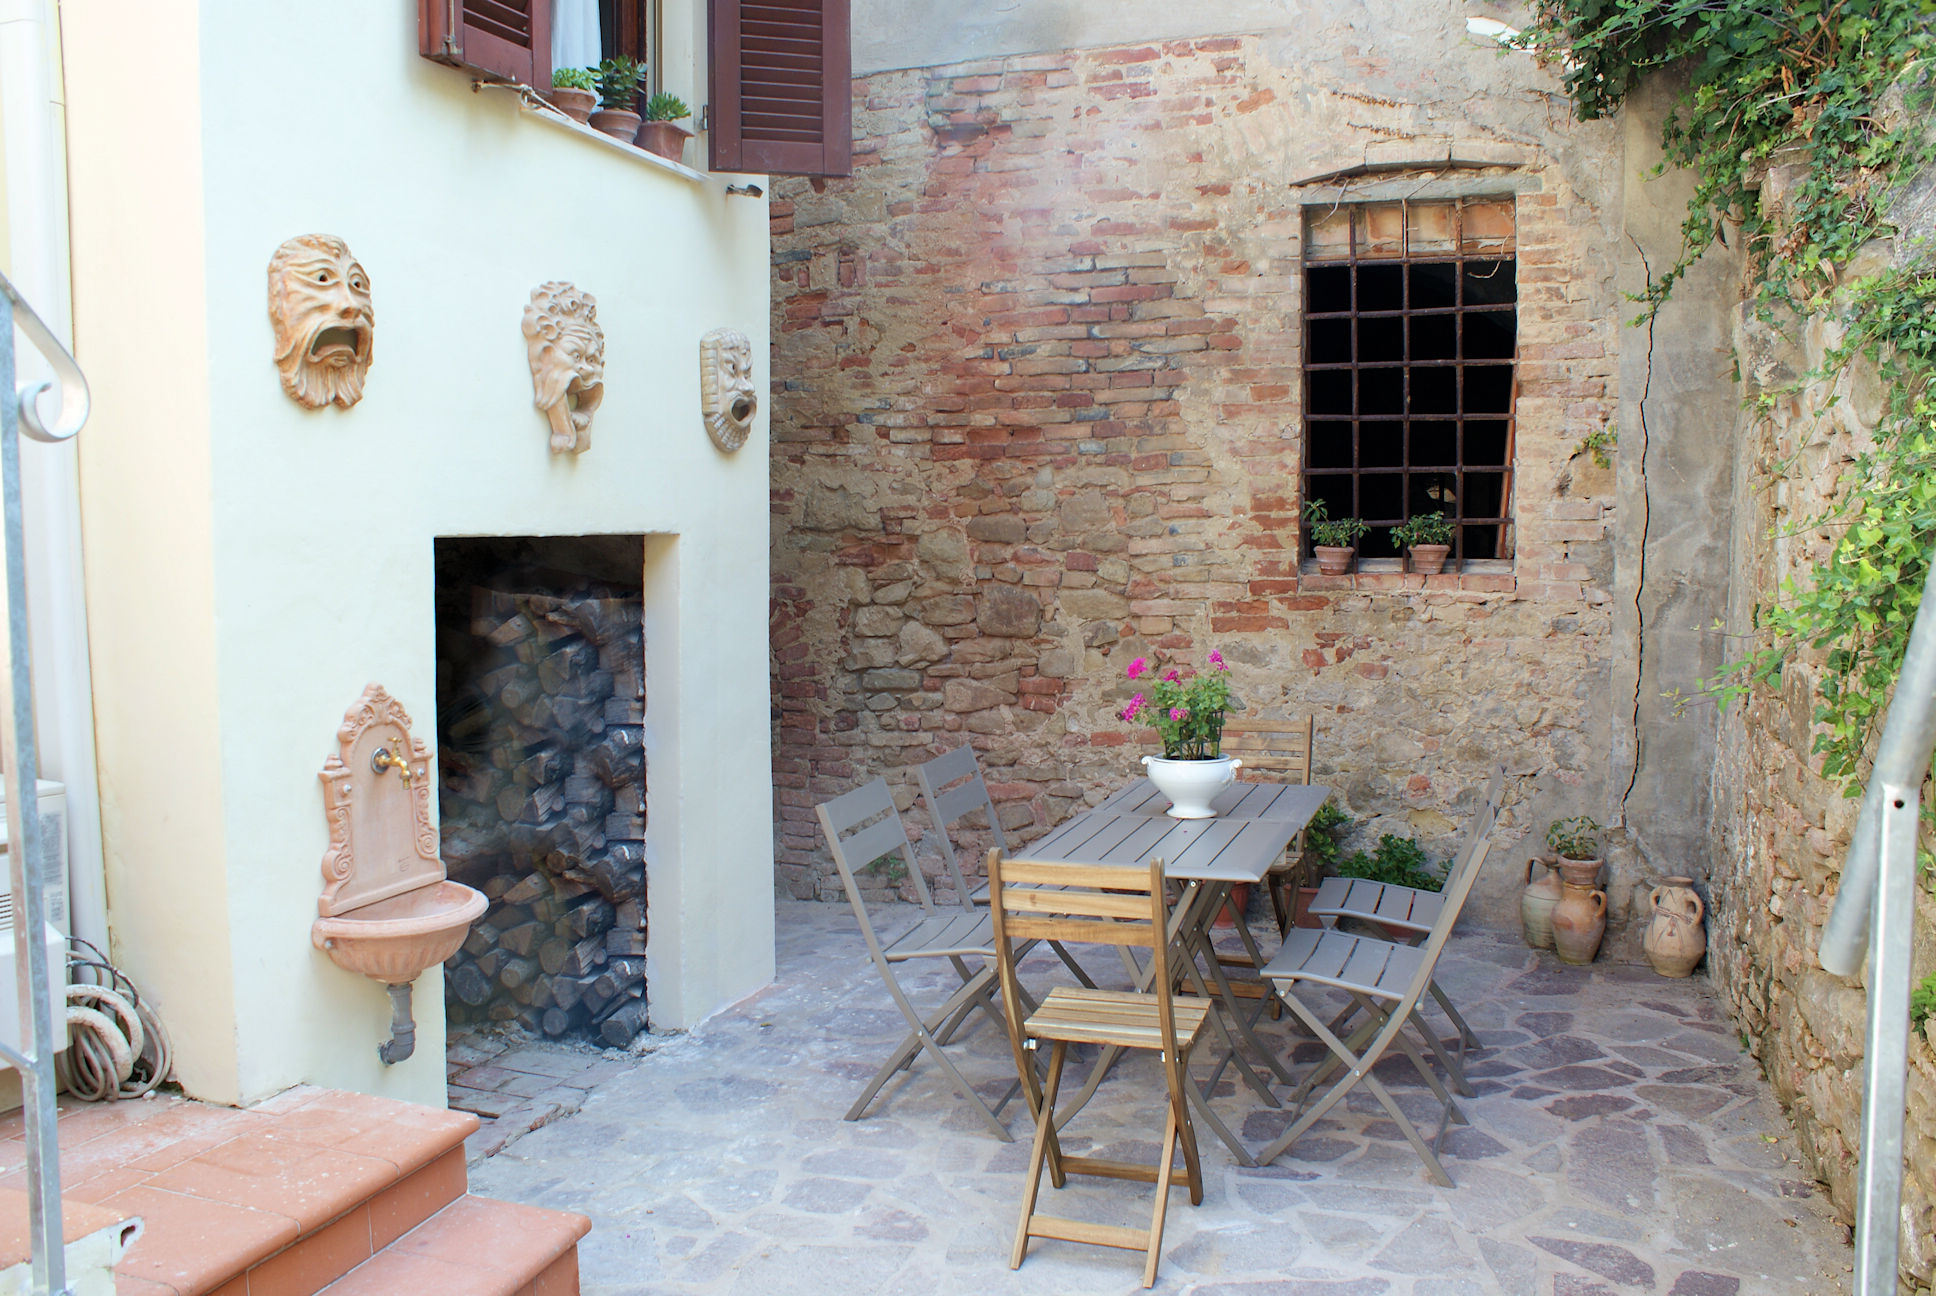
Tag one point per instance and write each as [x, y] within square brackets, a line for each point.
[540, 721]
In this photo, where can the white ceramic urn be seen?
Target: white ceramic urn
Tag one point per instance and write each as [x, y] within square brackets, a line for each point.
[1190, 784]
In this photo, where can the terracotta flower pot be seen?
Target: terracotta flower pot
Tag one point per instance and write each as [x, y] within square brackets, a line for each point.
[619, 123]
[1301, 915]
[575, 104]
[1429, 560]
[667, 139]
[1239, 897]
[1333, 561]
[1675, 941]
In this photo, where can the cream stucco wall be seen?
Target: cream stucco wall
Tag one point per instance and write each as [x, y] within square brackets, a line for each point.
[252, 565]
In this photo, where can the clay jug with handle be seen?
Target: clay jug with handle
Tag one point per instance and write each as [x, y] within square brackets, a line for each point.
[1536, 903]
[1579, 921]
[1675, 941]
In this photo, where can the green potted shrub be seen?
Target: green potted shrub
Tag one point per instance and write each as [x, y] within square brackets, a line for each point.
[1427, 538]
[1334, 539]
[661, 132]
[619, 80]
[574, 92]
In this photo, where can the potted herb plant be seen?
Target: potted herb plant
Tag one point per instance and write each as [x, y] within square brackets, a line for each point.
[619, 80]
[1334, 539]
[1580, 917]
[1188, 715]
[661, 132]
[574, 92]
[1427, 538]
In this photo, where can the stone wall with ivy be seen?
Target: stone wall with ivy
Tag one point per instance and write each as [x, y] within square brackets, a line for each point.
[1783, 825]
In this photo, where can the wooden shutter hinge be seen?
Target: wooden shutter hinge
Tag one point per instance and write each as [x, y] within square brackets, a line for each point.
[705, 117]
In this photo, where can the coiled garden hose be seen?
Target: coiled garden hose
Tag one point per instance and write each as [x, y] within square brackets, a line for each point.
[117, 1046]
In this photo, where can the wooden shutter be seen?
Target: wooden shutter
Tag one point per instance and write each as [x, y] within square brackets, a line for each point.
[780, 84]
[503, 39]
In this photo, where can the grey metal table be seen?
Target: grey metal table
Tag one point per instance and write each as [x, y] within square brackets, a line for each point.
[1208, 856]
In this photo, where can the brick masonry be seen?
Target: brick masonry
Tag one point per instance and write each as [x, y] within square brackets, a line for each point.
[1038, 414]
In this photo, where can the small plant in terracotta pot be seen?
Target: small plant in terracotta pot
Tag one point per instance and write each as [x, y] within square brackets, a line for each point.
[661, 132]
[574, 92]
[1334, 539]
[1427, 538]
[1577, 842]
[619, 80]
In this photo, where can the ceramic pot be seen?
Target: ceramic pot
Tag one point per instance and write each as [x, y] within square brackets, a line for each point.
[1536, 903]
[616, 122]
[575, 104]
[1240, 898]
[1584, 874]
[1333, 561]
[667, 139]
[1429, 560]
[1675, 941]
[1189, 784]
[1301, 915]
[1579, 921]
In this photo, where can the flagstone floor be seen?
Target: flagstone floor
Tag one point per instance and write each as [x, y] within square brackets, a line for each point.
[1621, 1142]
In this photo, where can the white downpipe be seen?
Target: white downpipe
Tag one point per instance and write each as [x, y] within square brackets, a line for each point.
[36, 197]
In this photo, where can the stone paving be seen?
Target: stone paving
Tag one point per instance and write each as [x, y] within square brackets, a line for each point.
[1621, 1142]
[514, 1084]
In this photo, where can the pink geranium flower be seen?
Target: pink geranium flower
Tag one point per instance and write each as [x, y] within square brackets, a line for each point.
[1179, 713]
[1174, 676]
[1216, 659]
[1135, 706]
[1137, 667]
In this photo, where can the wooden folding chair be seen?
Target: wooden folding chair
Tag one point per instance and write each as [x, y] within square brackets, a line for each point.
[953, 789]
[1124, 907]
[1281, 751]
[1406, 911]
[1385, 980]
[861, 827]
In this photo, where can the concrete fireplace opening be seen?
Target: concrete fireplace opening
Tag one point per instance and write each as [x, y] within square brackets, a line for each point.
[541, 698]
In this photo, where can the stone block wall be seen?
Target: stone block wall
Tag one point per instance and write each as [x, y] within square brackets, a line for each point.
[1783, 829]
[1036, 413]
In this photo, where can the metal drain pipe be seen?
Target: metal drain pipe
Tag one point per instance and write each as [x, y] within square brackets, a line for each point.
[403, 1026]
[1874, 910]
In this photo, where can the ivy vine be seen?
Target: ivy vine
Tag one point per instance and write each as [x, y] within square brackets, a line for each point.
[1836, 93]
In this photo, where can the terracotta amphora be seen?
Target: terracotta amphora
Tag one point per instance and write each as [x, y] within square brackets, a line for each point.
[1579, 921]
[1675, 940]
[1536, 903]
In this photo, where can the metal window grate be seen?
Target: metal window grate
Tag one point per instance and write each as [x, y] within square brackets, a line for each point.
[1410, 373]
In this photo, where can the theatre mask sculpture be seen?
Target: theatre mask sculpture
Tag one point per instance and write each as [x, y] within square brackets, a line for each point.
[726, 395]
[567, 352]
[319, 305]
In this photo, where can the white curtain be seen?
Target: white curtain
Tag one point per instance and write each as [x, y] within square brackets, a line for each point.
[574, 34]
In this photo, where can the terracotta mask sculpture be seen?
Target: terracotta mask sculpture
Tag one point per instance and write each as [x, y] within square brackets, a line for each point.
[726, 395]
[319, 305]
[567, 362]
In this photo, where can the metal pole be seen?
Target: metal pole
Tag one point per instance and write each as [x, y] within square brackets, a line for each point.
[25, 837]
[1878, 1202]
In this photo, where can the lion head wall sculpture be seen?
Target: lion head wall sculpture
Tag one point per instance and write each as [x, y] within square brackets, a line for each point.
[726, 395]
[567, 351]
[319, 306]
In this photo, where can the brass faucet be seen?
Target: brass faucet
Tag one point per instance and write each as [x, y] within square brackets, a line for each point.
[387, 759]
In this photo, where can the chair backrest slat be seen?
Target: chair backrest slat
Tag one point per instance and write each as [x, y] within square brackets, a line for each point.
[855, 847]
[1087, 904]
[1079, 930]
[1282, 748]
[947, 806]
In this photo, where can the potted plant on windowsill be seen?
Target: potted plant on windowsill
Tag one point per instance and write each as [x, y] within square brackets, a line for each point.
[1427, 538]
[1188, 715]
[661, 132]
[619, 80]
[574, 92]
[1335, 540]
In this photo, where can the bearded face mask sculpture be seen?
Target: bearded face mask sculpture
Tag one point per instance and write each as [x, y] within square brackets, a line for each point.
[567, 352]
[319, 306]
[726, 395]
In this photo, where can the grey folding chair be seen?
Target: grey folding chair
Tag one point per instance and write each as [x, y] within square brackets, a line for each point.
[953, 789]
[1403, 910]
[861, 827]
[1385, 980]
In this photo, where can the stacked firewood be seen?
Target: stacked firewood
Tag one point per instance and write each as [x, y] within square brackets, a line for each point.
[543, 808]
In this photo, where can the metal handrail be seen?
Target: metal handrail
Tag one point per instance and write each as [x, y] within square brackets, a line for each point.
[25, 832]
[1877, 896]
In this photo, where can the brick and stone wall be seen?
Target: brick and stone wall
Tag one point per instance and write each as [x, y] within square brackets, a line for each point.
[1782, 828]
[1036, 413]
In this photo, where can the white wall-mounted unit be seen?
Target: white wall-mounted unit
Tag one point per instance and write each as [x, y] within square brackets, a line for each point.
[53, 822]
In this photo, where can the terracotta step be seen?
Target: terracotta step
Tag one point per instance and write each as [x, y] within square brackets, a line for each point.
[475, 1247]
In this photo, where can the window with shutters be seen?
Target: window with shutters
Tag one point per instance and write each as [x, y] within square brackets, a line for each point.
[508, 40]
[1410, 338]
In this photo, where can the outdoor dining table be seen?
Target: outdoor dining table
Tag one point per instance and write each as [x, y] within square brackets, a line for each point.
[1253, 825]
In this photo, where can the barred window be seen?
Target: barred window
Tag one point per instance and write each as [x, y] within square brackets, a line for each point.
[1410, 337]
